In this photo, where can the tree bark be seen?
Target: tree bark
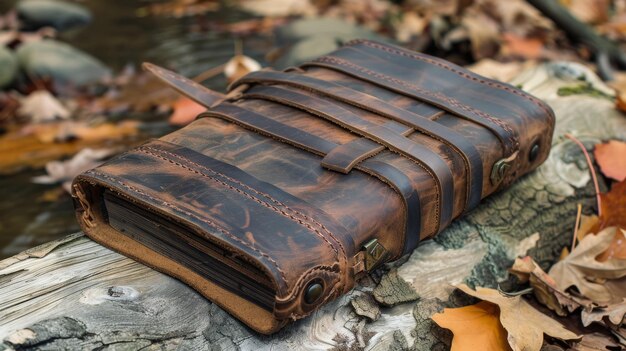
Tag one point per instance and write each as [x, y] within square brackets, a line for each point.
[76, 294]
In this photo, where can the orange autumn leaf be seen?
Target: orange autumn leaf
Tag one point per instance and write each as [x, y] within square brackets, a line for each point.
[613, 208]
[611, 157]
[185, 111]
[613, 214]
[516, 46]
[475, 327]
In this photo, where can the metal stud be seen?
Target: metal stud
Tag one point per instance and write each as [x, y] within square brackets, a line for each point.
[313, 292]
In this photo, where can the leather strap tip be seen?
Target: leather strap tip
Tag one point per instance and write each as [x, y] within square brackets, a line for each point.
[333, 167]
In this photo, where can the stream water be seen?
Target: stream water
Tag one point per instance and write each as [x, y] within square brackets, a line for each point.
[117, 36]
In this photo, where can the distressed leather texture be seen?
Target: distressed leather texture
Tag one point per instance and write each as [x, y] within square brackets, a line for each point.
[289, 176]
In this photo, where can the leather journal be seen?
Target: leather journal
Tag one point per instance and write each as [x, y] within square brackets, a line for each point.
[295, 183]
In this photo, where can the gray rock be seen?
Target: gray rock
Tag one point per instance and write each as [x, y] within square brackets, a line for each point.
[307, 49]
[61, 62]
[307, 39]
[60, 15]
[328, 27]
[8, 66]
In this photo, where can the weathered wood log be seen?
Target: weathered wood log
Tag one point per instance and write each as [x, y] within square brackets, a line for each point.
[74, 293]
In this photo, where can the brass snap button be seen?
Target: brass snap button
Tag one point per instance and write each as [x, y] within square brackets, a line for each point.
[313, 292]
[534, 152]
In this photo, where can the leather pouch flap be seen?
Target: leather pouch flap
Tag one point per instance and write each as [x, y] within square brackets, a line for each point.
[233, 217]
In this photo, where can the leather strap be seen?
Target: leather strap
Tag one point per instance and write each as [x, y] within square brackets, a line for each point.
[430, 161]
[462, 80]
[367, 68]
[269, 127]
[471, 156]
[389, 174]
[188, 87]
[344, 157]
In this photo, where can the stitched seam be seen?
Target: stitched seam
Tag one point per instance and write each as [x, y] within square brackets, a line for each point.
[452, 69]
[511, 136]
[265, 204]
[207, 221]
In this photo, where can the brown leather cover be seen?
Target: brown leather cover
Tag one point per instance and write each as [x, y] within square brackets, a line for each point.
[304, 179]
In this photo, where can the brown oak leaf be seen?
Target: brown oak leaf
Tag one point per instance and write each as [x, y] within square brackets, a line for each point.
[612, 315]
[545, 288]
[524, 324]
[602, 282]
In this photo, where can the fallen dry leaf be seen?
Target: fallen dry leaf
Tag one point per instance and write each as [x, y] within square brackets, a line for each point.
[613, 205]
[589, 11]
[475, 327]
[587, 223]
[503, 71]
[143, 93]
[185, 111]
[619, 86]
[612, 315]
[611, 157]
[409, 25]
[65, 171]
[41, 106]
[620, 101]
[614, 29]
[545, 288]
[483, 32]
[617, 248]
[34, 145]
[86, 132]
[602, 282]
[239, 66]
[613, 214]
[521, 47]
[524, 324]
[596, 341]
[278, 8]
